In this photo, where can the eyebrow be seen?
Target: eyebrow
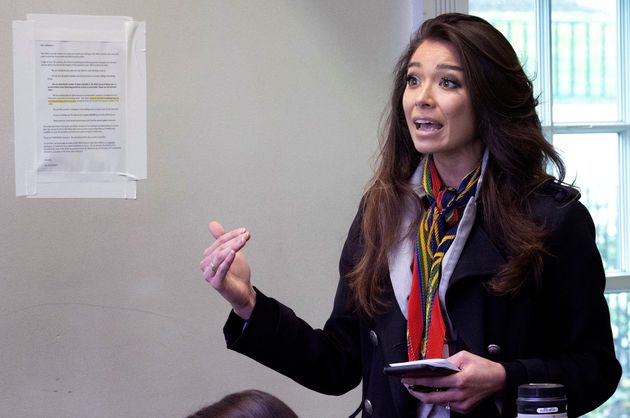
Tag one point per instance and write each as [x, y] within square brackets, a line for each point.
[439, 66]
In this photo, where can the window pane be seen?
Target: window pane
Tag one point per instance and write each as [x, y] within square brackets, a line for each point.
[619, 405]
[584, 61]
[516, 21]
[592, 163]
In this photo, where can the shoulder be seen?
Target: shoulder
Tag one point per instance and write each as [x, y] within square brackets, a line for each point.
[553, 201]
[353, 246]
[354, 233]
[554, 193]
[560, 192]
[557, 206]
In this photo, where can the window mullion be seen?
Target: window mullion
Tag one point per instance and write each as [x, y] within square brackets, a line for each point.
[623, 72]
[624, 196]
[543, 81]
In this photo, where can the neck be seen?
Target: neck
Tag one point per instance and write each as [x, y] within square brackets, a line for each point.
[453, 170]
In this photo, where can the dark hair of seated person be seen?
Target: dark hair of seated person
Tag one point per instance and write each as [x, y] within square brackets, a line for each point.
[246, 404]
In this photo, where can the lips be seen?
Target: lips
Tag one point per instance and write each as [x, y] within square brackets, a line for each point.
[427, 125]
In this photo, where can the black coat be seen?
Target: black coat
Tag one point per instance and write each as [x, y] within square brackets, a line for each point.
[559, 333]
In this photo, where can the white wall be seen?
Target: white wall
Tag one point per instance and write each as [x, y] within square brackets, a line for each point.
[262, 114]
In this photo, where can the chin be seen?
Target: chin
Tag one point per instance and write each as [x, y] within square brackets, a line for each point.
[423, 148]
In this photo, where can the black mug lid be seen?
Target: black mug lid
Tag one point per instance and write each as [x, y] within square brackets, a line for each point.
[541, 390]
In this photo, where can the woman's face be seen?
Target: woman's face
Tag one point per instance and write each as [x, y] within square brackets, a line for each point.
[437, 106]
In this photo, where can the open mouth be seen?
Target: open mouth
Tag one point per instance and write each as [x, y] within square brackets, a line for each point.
[427, 125]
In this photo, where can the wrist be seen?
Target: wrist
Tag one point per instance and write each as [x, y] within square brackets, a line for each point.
[245, 310]
[500, 382]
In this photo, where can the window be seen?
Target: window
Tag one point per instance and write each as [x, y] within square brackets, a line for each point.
[577, 53]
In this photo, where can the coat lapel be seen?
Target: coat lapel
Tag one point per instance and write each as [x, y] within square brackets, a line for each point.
[479, 261]
[479, 258]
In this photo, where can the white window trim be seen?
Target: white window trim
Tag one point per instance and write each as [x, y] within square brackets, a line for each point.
[623, 42]
[616, 282]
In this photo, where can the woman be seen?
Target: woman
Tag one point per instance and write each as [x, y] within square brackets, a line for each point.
[250, 403]
[463, 248]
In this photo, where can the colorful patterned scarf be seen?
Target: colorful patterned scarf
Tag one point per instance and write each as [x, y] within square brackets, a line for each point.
[426, 329]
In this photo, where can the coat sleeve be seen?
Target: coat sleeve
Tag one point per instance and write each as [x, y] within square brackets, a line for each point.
[326, 360]
[576, 344]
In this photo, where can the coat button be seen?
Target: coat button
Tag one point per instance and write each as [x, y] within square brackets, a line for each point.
[493, 349]
[367, 407]
[374, 338]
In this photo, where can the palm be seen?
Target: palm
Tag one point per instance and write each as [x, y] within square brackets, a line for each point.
[235, 286]
[231, 277]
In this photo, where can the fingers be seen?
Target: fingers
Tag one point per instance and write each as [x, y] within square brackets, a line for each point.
[234, 239]
[215, 271]
[431, 382]
[439, 390]
[216, 229]
[218, 257]
[448, 398]
[217, 262]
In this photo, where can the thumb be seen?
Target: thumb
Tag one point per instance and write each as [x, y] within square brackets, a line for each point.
[216, 229]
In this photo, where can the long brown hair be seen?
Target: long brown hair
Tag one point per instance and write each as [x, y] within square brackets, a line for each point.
[508, 126]
[250, 403]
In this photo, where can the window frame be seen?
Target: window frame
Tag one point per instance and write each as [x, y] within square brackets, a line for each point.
[543, 87]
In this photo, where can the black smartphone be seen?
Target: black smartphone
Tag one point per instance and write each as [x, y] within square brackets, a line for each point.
[421, 368]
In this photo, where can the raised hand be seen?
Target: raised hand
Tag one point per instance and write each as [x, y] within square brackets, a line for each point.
[227, 271]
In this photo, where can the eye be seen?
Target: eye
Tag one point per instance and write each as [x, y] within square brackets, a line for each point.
[449, 83]
[413, 81]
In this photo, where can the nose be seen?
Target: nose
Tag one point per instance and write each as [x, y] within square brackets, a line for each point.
[424, 96]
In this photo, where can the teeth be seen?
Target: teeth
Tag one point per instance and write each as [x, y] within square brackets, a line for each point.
[427, 124]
